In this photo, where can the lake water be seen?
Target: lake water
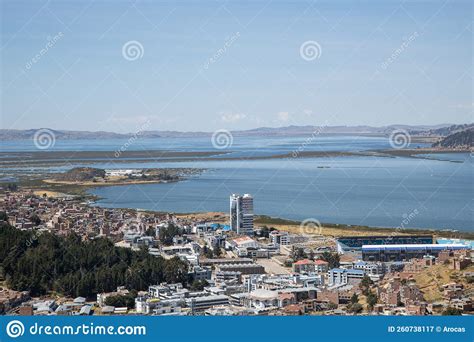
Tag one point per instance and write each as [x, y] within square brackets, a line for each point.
[369, 191]
[373, 191]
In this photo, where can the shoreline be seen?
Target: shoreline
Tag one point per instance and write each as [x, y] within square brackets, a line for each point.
[292, 226]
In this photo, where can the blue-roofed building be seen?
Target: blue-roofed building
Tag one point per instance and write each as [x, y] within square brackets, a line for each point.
[355, 243]
[406, 252]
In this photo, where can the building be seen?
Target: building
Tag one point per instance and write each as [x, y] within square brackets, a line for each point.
[200, 273]
[223, 261]
[342, 276]
[279, 238]
[310, 266]
[355, 243]
[206, 302]
[241, 214]
[405, 252]
[242, 268]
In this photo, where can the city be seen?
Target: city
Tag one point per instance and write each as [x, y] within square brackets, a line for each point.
[238, 268]
[237, 170]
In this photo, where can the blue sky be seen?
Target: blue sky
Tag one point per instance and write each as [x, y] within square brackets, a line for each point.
[207, 65]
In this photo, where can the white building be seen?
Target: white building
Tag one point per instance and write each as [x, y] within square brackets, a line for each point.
[241, 214]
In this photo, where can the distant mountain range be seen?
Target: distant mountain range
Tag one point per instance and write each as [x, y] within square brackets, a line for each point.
[424, 130]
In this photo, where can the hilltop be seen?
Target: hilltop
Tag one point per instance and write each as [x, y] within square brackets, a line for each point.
[459, 140]
[425, 130]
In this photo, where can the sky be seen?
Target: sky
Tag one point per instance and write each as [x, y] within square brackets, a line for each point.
[205, 65]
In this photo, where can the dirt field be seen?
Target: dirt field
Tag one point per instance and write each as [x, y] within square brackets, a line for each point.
[431, 279]
[272, 267]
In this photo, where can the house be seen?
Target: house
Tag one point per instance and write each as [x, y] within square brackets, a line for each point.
[321, 266]
[342, 276]
[304, 266]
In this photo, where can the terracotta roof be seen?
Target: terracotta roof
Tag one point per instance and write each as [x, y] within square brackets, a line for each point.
[320, 262]
[304, 262]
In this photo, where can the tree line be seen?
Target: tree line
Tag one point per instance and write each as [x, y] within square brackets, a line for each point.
[41, 263]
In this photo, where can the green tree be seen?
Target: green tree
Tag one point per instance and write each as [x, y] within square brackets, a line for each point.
[198, 285]
[371, 300]
[450, 311]
[333, 259]
[167, 234]
[72, 267]
[217, 252]
[3, 216]
[150, 232]
[355, 298]
[127, 300]
[355, 308]
[365, 284]
[35, 219]
[298, 254]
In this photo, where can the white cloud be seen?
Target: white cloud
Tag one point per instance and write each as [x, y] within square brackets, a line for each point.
[232, 117]
[283, 116]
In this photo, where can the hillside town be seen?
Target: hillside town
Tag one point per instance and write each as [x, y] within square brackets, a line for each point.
[237, 267]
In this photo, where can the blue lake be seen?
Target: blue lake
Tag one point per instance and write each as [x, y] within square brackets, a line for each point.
[375, 191]
[384, 192]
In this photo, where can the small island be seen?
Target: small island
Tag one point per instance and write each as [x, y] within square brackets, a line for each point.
[89, 176]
